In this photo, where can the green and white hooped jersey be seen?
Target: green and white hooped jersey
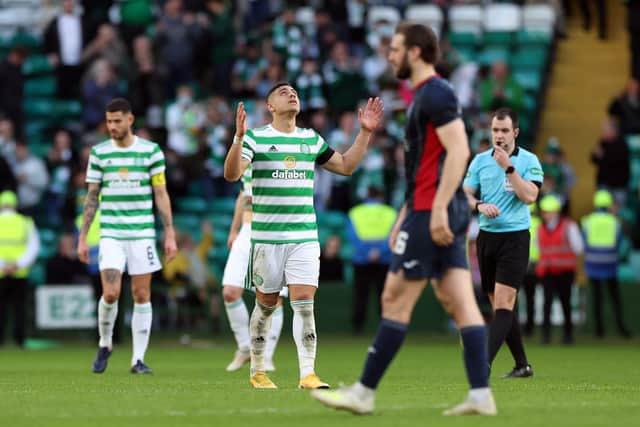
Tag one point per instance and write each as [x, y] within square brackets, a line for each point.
[126, 207]
[246, 181]
[282, 183]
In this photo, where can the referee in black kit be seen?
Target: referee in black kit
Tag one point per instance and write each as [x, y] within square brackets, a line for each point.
[508, 179]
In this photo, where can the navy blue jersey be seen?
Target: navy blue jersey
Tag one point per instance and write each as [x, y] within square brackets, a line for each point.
[434, 105]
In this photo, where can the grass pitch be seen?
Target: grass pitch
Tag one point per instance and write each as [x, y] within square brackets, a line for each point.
[590, 384]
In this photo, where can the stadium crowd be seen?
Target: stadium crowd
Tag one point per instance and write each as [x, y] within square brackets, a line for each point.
[184, 64]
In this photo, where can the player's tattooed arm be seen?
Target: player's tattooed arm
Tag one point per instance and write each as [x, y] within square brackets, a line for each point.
[91, 204]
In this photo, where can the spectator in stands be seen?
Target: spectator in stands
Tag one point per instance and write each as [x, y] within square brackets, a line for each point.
[32, 177]
[247, 71]
[135, 18]
[107, 45]
[222, 35]
[601, 11]
[99, 86]
[345, 82]
[64, 40]
[602, 233]
[185, 122]
[625, 109]
[633, 25]
[271, 75]
[331, 265]
[611, 158]
[559, 242]
[60, 162]
[376, 67]
[328, 33]
[7, 140]
[340, 139]
[19, 246]
[146, 81]
[217, 138]
[558, 173]
[309, 85]
[177, 34]
[287, 40]
[189, 276]
[64, 267]
[11, 86]
[500, 90]
[368, 231]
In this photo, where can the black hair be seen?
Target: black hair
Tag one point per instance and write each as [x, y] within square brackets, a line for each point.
[276, 86]
[118, 104]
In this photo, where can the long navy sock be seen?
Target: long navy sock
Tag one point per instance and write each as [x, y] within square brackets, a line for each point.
[388, 341]
[474, 341]
[498, 331]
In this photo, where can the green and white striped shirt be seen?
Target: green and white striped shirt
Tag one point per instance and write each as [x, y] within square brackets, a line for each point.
[124, 175]
[282, 183]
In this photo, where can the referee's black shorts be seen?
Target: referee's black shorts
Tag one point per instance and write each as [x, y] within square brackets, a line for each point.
[503, 258]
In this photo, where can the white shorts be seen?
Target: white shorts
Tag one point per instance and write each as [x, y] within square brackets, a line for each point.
[273, 266]
[138, 256]
[235, 270]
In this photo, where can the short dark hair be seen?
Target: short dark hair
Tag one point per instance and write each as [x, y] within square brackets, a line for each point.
[118, 104]
[276, 86]
[421, 36]
[503, 113]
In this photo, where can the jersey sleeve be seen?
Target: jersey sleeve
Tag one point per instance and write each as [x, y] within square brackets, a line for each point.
[158, 164]
[534, 171]
[248, 147]
[441, 105]
[94, 168]
[471, 179]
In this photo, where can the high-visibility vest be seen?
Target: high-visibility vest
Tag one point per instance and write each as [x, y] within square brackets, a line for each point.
[372, 221]
[93, 235]
[534, 250]
[14, 235]
[556, 255]
[601, 233]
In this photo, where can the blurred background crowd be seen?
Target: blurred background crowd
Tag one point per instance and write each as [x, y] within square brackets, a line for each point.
[184, 64]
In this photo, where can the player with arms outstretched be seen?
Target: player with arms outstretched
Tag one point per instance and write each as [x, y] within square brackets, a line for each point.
[284, 235]
[128, 173]
[429, 237]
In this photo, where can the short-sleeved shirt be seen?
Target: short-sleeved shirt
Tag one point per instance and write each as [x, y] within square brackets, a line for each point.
[124, 175]
[282, 183]
[434, 105]
[488, 176]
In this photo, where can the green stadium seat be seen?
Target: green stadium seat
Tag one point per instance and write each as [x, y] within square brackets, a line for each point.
[633, 141]
[37, 64]
[530, 81]
[39, 148]
[503, 39]
[530, 104]
[220, 236]
[27, 40]
[44, 86]
[66, 109]
[39, 107]
[335, 220]
[194, 205]
[47, 251]
[461, 40]
[346, 251]
[533, 38]
[493, 54]
[34, 129]
[48, 237]
[225, 205]
[186, 223]
[38, 274]
[529, 59]
[221, 221]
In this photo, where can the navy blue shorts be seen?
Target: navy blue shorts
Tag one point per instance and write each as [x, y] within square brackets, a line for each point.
[419, 256]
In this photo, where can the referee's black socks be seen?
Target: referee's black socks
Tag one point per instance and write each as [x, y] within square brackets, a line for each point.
[514, 341]
[498, 331]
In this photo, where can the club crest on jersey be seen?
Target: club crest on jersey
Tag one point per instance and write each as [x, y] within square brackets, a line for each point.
[290, 162]
[304, 149]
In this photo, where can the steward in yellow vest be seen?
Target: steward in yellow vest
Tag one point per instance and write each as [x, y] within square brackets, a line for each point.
[19, 246]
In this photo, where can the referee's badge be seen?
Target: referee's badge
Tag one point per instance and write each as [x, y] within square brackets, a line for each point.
[507, 185]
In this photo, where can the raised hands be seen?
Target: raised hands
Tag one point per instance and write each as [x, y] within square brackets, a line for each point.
[371, 117]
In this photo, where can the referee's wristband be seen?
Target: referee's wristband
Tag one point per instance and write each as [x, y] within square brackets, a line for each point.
[478, 203]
